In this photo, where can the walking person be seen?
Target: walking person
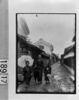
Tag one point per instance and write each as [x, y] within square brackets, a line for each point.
[35, 71]
[27, 72]
[39, 69]
[47, 70]
[26, 62]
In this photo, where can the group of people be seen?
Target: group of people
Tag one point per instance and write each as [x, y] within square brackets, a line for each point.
[37, 70]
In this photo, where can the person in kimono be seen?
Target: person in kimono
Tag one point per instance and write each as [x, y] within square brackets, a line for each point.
[35, 72]
[39, 64]
[47, 70]
[27, 72]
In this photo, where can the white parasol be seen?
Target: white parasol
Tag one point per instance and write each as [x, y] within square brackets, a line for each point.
[22, 60]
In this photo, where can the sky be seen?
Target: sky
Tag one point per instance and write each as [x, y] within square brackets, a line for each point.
[57, 29]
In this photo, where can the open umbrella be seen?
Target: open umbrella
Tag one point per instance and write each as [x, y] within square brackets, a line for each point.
[22, 60]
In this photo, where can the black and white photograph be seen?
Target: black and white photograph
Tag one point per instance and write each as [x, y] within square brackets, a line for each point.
[46, 53]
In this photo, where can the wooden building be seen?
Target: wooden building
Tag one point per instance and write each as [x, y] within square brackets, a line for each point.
[69, 56]
[45, 46]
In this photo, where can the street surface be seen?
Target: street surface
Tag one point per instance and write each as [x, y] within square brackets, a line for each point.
[60, 81]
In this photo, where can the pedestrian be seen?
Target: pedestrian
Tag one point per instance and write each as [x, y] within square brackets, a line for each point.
[47, 70]
[27, 72]
[39, 69]
[35, 73]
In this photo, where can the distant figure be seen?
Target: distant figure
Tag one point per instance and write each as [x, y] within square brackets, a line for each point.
[47, 70]
[61, 61]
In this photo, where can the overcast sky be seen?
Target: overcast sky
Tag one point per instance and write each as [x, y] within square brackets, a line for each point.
[57, 29]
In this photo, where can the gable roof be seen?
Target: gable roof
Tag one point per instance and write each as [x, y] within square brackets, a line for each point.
[41, 41]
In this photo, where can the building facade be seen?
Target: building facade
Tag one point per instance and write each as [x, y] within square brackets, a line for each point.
[69, 56]
[45, 46]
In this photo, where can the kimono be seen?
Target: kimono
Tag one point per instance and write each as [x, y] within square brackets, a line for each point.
[39, 69]
[47, 70]
[27, 72]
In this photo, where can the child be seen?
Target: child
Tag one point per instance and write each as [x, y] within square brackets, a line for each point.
[47, 70]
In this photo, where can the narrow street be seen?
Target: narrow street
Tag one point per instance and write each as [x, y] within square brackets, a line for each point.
[60, 81]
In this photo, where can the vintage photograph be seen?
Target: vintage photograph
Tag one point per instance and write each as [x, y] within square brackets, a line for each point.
[46, 53]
